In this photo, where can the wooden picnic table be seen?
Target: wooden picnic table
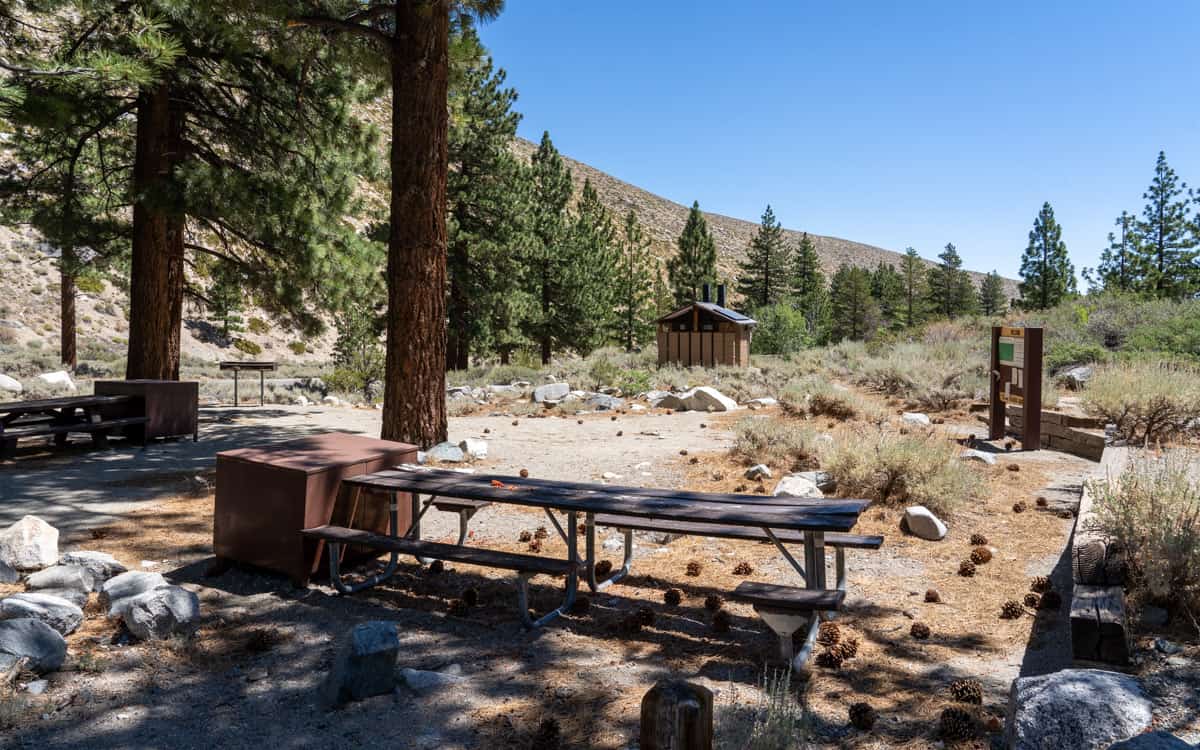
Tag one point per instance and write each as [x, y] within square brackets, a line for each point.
[778, 520]
[238, 365]
[97, 415]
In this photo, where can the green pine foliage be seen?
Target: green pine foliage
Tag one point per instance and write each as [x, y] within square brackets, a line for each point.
[782, 329]
[635, 280]
[358, 355]
[887, 287]
[1166, 239]
[913, 276]
[664, 299]
[949, 289]
[809, 291]
[486, 206]
[855, 313]
[225, 301]
[991, 295]
[763, 275]
[696, 262]
[550, 192]
[1118, 270]
[1047, 276]
[589, 271]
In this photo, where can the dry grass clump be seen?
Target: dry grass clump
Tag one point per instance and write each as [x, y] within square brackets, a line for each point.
[948, 367]
[1153, 511]
[817, 397]
[777, 442]
[1147, 401]
[918, 468]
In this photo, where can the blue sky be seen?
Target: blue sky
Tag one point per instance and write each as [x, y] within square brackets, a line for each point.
[897, 124]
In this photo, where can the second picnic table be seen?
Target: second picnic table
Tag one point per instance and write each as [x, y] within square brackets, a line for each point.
[97, 416]
[813, 522]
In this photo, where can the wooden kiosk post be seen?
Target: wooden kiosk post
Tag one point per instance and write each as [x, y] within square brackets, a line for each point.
[1016, 378]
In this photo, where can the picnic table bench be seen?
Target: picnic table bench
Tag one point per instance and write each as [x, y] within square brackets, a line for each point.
[815, 523]
[98, 416]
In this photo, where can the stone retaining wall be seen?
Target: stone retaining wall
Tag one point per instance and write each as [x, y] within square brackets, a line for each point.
[1064, 432]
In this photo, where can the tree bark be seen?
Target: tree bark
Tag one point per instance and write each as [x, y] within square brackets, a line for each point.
[156, 276]
[67, 349]
[414, 404]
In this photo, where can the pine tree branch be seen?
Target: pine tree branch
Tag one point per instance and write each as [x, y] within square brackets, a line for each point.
[346, 26]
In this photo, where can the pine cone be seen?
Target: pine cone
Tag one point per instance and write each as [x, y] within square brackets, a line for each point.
[437, 566]
[673, 597]
[1040, 584]
[862, 716]
[1032, 600]
[932, 596]
[966, 569]
[603, 568]
[1019, 507]
[848, 647]
[629, 624]
[535, 545]
[981, 555]
[967, 691]
[582, 605]
[722, 621]
[470, 597]
[525, 536]
[919, 630]
[743, 569]
[541, 533]
[1011, 610]
[713, 602]
[458, 607]
[829, 659]
[828, 633]
[645, 616]
[956, 724]
[1042, 502]
[694, 568]
[978, 540]
[1051, 600]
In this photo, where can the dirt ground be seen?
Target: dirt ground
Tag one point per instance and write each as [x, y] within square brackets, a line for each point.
[250, 676]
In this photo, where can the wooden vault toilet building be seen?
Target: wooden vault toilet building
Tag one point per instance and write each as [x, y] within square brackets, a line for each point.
[705, 334]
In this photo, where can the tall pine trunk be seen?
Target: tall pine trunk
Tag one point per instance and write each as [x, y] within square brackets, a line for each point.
[414, 405]
[547, 346]
[66, 305]
[156, 276]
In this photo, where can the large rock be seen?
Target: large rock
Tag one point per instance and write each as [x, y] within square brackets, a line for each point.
[921, 522]
[656, 397]
[1076, 708]
[74, 596]
[551, 392]
[757, 472]
[424, 681]
[915, 418]
[604, 402]
[822, 479]
[161, 613]
[1077, 378]
[118, 591]
[58, 380]
[58, 613]
[474, 447]
[70, 577]
[365, 664]
[703, 398]
[9, 385]
[29, 544]
[971, 454]
[798, 485]
[101, 565]
[33, 640]
[1159, 740]
[761, 403]
[445, 452]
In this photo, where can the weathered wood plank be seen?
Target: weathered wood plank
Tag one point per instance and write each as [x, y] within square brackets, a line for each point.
[1098, 624]
[676, 715]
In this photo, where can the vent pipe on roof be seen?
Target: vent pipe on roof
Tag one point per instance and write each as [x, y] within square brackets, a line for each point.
[720, 295]
[707, 294]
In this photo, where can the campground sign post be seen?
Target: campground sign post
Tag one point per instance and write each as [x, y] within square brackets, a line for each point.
[1016, 379]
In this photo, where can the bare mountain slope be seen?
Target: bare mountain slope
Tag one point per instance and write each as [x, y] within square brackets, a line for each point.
[664, 220]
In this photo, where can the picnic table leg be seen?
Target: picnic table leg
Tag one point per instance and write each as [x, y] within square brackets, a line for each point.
[590, 561]
[235, 387]
[814, 559]
[335, 550]
[262, 387]
[572, 581]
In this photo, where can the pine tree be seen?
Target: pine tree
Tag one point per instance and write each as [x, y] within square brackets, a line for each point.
[809, 292]
[664, 299]
[913, 275]
[358, 354]
[225, 298]
[1118, 269]
[636, 282]
[991, 294]
[887, 288]
[763, 275]
[696, 262]
[855, 311]
[1047, 276]
[1165, 242]
[585, 312]
[549, 228]
[950, 291]
[486, 205]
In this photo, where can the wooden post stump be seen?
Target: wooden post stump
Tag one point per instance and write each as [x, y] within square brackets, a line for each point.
[677, 715]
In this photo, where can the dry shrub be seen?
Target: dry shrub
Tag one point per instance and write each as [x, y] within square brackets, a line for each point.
[778, 442]
[1145, 400]
[1153, 511]
[816, 397]
[919, 468]
[934, 375]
